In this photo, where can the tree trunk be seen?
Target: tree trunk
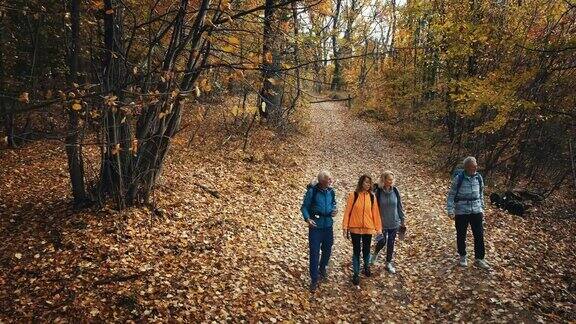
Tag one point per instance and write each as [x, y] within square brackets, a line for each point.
[337, 76]
[393, 32]
[270, 92]
[363, 68]
[346, 48]
[155, 131]
[318, 64]
[116, 168]
[73, 146]
[296, 56]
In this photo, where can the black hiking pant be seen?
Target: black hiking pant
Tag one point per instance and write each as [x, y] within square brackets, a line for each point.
[475, 221]
[360, 243]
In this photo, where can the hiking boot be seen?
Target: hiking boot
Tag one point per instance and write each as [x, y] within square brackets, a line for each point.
[463, 262]
[390, 267]
[374, 258]
[313, 287]
[367, 271]
[323, 275]
[482, 264]
[356, 280]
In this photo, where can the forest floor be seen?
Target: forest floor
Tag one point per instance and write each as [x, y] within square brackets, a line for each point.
[242, 254]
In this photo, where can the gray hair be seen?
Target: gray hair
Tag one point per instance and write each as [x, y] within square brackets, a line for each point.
[323, 175]
[469, 160]
[384, 175]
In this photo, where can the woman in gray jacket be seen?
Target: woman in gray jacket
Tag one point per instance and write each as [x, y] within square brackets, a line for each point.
[392, 215]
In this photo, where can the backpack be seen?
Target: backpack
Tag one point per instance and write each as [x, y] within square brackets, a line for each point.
[314, 188]
[460, 174]
[356, 197]
[377, 194]
[353, 203]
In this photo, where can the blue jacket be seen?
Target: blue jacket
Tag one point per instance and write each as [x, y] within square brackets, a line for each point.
[470, 199]
[324, 204]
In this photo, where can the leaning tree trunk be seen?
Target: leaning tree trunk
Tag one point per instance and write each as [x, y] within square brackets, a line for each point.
[133, 158]
[160, 123]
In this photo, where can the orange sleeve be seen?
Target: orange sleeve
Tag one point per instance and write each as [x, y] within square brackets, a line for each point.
[346, 217]
[376, 215]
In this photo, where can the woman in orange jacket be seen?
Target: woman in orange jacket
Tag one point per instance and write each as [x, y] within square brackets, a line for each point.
[361, 221]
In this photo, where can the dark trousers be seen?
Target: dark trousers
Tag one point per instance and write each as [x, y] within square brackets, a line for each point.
[319, 239]
[475, 221]
[389, 237]
[360, 243]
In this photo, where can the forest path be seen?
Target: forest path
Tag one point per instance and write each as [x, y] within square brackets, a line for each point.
[429, 285]
[242, 255]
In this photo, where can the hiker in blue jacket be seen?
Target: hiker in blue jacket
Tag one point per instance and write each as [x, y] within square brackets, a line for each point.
[318, 210]
[465, 206]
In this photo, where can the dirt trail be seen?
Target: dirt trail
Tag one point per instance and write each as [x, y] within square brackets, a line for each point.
[428, 285]
[243, 256]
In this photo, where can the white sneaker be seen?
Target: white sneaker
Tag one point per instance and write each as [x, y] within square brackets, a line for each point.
[463, 262]
[390, 267]
[482, 264]
[374, 258]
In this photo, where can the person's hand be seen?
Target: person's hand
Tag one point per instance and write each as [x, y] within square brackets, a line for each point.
[334, 212]
[346, 233]
[311, 223]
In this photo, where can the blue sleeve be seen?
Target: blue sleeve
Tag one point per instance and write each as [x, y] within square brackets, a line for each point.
[451, 196]
[306, 203]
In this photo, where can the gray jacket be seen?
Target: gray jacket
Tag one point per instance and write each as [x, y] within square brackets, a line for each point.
[391, 209]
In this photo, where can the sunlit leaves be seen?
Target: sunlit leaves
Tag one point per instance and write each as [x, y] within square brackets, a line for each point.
[24, 97]
[224, 5]
[268, 57]
[116, 149]
[111, 100]
[274, 81]
[234, 41]
[97, 4]
[76, 105]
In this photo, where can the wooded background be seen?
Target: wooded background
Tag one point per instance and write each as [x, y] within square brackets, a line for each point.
[491, 78]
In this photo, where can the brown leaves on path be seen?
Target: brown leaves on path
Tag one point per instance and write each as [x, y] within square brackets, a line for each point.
[228, 242]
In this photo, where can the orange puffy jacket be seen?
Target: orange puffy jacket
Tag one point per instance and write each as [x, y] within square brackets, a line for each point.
[364, 216]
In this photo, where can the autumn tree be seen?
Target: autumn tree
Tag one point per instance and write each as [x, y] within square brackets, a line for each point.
[488, 79]
[127, 70]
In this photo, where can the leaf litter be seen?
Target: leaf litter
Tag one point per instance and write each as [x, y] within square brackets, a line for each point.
[242, 254]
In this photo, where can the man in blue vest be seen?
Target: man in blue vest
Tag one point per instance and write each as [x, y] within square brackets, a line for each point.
[465, 206]
[318, 210]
